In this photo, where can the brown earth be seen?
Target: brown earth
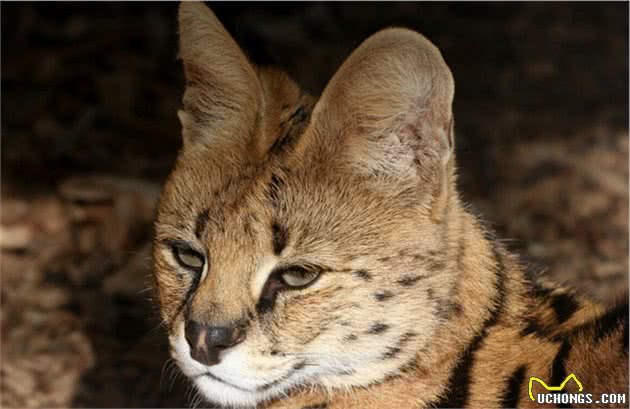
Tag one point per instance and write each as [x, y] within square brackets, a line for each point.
[89, 95]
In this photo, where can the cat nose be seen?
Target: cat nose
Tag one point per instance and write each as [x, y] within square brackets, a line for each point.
[207, 342]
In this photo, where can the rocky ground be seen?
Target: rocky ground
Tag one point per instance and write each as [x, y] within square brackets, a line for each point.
[89, 95]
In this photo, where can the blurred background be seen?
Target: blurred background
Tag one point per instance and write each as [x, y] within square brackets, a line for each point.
[89, 131]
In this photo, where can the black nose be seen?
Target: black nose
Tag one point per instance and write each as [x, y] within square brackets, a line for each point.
[206, 342]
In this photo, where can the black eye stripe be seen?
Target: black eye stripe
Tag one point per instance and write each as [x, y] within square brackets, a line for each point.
[275, 284]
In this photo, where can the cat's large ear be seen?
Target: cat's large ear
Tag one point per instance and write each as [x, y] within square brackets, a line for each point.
[388, 109]
[223, 97]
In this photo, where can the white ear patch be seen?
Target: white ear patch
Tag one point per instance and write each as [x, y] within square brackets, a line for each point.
[264, 269]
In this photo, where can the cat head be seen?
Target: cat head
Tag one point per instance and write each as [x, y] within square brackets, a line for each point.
[300, 240]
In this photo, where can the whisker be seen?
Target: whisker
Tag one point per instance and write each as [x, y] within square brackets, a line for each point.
[164, 368]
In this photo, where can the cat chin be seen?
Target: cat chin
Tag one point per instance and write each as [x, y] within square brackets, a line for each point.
[227, 396]
[230, 394]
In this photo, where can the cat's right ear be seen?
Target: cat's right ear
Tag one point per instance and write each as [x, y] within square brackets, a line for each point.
[223, 96]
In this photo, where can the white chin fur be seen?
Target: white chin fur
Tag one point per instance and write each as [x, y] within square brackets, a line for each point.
[239, 389]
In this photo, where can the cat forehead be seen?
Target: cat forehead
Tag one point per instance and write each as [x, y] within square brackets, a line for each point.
[195, 197]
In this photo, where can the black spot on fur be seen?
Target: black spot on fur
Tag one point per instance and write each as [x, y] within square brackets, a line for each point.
[317, 406]
[378, 328]
[363, 275]
[280, 235]
[383, 295]
[513, 388]
[391, 353]
[410, 280]
[350, 338]
[564, 306]
[299, 365]
[201, 222]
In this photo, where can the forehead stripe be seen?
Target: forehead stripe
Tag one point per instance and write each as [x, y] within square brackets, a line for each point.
[280, 235]
[201, 222]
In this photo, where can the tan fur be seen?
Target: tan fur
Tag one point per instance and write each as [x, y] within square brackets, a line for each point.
[360, 183]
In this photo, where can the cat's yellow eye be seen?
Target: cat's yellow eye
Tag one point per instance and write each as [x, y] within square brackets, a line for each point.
[298, 277]
[188, 258]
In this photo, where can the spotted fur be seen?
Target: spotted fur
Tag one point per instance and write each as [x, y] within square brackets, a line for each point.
[416, 305]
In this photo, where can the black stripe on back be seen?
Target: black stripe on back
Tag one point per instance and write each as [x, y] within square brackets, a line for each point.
[564, 305]
[458, 386]
[600, 328]
[513, 388]
[534, 326]
[614, 318]
[558, 367]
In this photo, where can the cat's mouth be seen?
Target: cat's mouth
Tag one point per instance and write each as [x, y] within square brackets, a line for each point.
[265, 387]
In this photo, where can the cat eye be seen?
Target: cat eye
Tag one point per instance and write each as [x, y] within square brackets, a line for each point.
[188, 258]
[298, 276]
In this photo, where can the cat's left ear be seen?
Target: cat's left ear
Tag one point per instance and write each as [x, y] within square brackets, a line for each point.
[223, 97]
[388, 110]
